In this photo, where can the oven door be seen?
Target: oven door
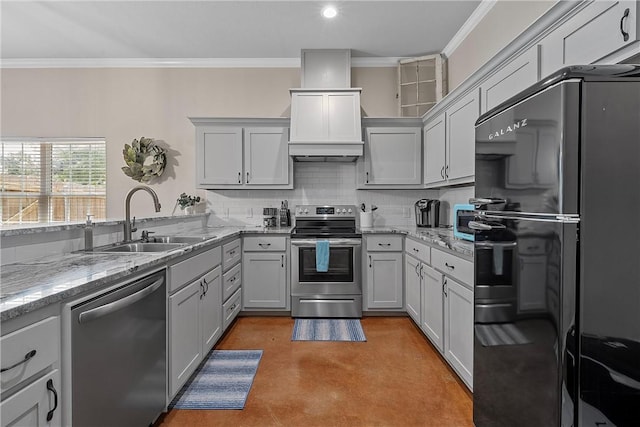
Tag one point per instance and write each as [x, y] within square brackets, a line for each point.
[342, 277]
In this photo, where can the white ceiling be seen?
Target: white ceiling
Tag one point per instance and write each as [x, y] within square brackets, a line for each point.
[148, 29]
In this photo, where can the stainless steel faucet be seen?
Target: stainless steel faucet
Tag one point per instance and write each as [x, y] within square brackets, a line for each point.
[128, 227]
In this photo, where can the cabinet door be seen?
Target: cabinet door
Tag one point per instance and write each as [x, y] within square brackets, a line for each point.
[219, 155]
[393, 156]
[459, 329]
[211, 309]
[264, 280]
[461, 119]
[435, 151]
[384, 280]
[412, 290]
[343, 116]
[432, 306]
[184, 335]
[532, 280]
[30, 406]
[308, 117]
[511, 79]
[590, 35]
[266, 156]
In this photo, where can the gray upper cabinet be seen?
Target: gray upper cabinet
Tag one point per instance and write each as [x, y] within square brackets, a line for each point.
[435, 159]
[219, 156]
[511, 79]
[253, 153]
[591, 35]
[392, 158]
[460, 136]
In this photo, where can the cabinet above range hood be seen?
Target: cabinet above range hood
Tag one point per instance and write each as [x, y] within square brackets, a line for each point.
[325, 113]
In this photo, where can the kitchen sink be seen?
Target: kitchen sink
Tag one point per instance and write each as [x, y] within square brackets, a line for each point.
[179, 239]
[141, 247]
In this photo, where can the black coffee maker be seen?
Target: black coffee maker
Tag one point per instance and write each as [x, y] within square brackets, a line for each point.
[427, 213]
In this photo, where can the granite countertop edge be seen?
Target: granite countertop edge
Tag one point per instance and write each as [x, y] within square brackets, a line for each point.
[67, 275]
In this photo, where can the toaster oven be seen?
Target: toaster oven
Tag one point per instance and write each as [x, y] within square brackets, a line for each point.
[462, 215]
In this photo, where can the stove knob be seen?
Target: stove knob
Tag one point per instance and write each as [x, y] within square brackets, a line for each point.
[350, 211]
[306, 211]
[344, 211]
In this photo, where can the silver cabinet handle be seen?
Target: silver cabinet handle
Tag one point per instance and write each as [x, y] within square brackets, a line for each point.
[421, 269]
[103, 310]
[201, 290]
[451, 267]
[442, 172]
[206, 285]
[247, 177]
[264, 245]
[367, 177]
[625, 15]
[369, 261]
[282, 261]
[239, 177]
[444, 288]
[446, 171]
[384, 244]
[486, 201]
[481, 226]
[417, 265]
[25, 360]
[415, 250]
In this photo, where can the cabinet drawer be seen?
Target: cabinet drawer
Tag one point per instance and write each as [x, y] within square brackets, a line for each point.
[418, 250]
[265, 243]
[231, 308]
[453, 266]
[231, 281]
[192, 268]
[42, 339]
[384, 243]
[231, 254]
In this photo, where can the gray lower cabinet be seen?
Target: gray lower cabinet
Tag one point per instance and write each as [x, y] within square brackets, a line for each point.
[384, 267]
[264, 273]
[458, 326]
[29, 357]
[195, 313]
[412, 288]
[231, 281]
[433, 302]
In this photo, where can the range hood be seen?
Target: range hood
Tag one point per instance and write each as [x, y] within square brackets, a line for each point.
[325, 112]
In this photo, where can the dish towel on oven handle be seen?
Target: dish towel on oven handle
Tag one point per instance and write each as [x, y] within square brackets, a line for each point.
[322, 256]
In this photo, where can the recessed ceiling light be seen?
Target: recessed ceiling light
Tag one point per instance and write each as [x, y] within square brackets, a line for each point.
[329, 12]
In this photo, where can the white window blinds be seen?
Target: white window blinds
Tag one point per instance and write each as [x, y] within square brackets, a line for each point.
[52, 180]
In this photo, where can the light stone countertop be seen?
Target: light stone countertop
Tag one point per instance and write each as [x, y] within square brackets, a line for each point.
[30, 285]
[34, 284]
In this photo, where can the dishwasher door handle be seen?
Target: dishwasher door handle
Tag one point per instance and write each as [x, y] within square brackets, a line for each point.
[103, 310]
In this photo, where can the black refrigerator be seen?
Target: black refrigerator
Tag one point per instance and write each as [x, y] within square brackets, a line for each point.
[557, 253]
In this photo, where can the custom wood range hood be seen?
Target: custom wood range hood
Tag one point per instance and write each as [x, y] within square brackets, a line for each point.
[325, 111]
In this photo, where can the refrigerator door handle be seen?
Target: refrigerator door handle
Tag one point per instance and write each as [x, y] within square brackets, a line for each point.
[477, 201]
[481, 226]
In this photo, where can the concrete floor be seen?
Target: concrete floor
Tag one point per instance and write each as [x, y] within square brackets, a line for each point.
[396, 378]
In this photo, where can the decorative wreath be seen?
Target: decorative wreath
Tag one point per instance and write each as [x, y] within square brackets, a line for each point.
[144, 159]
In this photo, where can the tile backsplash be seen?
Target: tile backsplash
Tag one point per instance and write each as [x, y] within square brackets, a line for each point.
[327, 183]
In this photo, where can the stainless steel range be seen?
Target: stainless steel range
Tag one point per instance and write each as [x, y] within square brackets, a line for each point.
[336, 292]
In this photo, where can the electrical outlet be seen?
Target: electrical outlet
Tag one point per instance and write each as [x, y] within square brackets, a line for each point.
[406, 212]
[249, 212]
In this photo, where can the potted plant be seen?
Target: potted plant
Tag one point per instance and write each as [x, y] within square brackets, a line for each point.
[187, 202]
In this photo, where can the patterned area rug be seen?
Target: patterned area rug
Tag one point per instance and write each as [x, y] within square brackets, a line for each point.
[222, 382]
[327, 330]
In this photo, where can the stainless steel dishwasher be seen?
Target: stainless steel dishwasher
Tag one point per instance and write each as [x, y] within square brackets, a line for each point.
[118, 353]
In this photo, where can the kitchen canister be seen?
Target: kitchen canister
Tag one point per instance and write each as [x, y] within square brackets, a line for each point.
[366, 219]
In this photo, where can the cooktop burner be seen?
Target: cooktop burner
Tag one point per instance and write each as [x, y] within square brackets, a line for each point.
[325, 221]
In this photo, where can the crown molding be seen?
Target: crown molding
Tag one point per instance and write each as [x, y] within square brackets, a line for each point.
[478, 14]
[179, 62]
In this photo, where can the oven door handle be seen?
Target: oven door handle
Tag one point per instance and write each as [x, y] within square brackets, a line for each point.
[332, 242]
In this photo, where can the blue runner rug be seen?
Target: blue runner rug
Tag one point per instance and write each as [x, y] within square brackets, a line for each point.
[223, 381]
[328, 330]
